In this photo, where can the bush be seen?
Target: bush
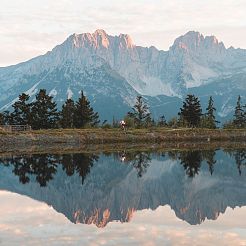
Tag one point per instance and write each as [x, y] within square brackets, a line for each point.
[173, 122]
[106, 126]
[129, 122]
[229, 125]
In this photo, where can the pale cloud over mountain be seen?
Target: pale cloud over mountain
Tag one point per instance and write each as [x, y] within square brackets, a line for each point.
[30, 28]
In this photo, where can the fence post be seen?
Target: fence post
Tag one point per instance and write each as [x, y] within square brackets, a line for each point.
[16, 128]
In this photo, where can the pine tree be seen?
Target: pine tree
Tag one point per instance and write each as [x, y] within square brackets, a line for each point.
[239, 115]
[209, 117]
[1, 119]
[7, 118]
[191, 112]
[68, 114]
[149, 122]
[22, 109]
[244, 115]
[162, 121]
[84, 113]
[44, 114]
[140, 114]
[115, 123]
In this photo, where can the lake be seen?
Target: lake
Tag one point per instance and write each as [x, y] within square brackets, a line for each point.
[128, 197]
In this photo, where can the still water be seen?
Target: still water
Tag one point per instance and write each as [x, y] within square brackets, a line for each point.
[189, 197]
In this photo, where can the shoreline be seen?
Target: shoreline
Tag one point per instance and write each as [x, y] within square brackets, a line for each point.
[60, 140]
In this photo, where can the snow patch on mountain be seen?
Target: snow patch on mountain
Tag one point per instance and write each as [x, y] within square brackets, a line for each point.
[53, 92]
[33, 90]
[69, 93]
[226, 110]
[200, 75]
[8, 105]
[153, 87]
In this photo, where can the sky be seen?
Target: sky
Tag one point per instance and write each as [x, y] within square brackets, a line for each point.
[24, 221]
[31, 28]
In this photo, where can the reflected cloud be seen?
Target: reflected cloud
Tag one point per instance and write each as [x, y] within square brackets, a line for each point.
[146, 228]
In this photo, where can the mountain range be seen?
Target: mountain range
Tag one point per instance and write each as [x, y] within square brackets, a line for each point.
[112, 71]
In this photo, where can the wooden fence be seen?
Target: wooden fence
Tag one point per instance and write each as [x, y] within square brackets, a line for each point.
[15, 128]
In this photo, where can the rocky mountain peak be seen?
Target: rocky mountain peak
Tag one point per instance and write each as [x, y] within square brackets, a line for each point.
[190, 41]
[211, 42]
[194, 41]
[100, 39]
[97, 39]
[100, 32]
[126, 40]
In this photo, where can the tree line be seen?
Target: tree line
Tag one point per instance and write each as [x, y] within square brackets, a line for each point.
[190, 115]
[42, 113]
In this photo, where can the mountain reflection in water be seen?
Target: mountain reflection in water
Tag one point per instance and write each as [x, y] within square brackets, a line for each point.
[99, 188]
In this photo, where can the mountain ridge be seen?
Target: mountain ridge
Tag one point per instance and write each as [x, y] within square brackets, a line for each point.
[192, 61]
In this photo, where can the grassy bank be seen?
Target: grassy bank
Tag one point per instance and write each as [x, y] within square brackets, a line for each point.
[124, 147]
[82, 138]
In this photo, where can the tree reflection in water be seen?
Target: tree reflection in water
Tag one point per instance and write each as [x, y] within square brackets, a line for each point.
[79, 163]
[192, 160]
[44, 166]
[240, 158]
[209, 156]
[140, 160]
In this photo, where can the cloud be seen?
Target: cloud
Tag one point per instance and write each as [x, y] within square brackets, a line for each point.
[25, 25]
